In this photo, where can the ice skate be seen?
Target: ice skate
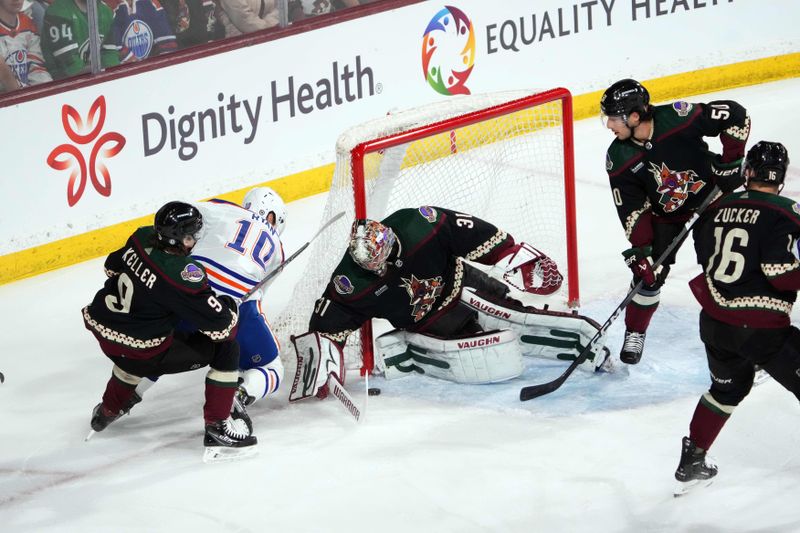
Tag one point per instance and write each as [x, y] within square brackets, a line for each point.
[632, 348]
[694, 470]
[103, 417]
[228, 440]
[241, 400]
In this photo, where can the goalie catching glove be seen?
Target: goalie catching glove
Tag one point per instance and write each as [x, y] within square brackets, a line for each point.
[524, 267]
[318, 358]
[640, 261]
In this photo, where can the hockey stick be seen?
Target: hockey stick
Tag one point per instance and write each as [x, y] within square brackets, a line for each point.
[337, 389]
[291, 258]
[534, 391]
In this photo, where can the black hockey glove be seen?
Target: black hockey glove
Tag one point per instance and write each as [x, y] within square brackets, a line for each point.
[640, 261]
[229, 301]
[728, 176]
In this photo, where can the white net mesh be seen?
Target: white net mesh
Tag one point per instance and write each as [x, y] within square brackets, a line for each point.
[508, 170]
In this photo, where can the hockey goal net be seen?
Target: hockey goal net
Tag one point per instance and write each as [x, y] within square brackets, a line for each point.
[505, 157]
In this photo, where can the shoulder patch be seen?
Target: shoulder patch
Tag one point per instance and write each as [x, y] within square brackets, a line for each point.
[682, 108]
[193, 273]
[609, 162]
[428, 213]
[796, 208]
[343, 285]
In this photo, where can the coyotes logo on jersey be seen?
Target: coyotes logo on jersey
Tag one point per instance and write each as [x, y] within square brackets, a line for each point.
[674, 186]
[423, 294]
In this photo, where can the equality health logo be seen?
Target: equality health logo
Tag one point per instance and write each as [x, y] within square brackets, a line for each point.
[448, 51]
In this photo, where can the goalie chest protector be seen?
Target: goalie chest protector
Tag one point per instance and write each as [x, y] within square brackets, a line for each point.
[424, 277]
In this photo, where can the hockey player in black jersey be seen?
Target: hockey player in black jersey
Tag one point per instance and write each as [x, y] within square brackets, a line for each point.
[151, 286]
[409, 269]
[747, 246]
[661, 170]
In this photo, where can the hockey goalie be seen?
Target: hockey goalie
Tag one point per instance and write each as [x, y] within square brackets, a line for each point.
[453, 320]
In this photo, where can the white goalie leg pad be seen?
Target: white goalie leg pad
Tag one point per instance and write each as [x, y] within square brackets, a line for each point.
[263, 381]
[486, 358]
[317, 358]
[542, 333]
[527, 269]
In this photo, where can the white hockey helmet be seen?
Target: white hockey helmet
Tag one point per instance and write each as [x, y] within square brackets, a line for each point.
[263, 201]
[371, 244]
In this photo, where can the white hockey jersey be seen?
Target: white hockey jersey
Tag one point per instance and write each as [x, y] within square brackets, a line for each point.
[237, 247]
[21, 50]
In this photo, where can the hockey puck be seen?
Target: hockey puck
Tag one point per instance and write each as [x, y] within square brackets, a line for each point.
[374, 391]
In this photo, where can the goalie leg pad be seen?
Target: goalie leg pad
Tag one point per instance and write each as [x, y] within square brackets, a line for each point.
[317, 358]
[489, 357]
[541, 332]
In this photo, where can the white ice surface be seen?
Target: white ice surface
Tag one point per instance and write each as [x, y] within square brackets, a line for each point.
[597, 455]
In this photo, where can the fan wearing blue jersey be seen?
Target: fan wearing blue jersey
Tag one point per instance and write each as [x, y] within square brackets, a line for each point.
[238, 247]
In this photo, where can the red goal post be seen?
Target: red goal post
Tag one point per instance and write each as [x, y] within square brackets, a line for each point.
[505, 157]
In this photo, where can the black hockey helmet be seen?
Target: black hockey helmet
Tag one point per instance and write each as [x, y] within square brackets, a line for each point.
[625, 97]
[174, 221]
[768, 161]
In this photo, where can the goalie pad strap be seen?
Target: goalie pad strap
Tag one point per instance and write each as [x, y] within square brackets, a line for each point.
[485, 358]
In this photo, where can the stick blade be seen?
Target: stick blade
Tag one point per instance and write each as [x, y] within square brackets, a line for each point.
[534, 391]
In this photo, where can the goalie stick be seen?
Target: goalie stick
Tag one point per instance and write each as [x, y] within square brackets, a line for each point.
[534, 391]
[291, 258]
[340, 393]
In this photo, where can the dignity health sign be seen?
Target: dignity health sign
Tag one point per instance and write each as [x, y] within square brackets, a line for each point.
[112, 152]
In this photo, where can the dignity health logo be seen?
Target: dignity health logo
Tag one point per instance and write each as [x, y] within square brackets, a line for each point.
[448, 51]
[69, 157]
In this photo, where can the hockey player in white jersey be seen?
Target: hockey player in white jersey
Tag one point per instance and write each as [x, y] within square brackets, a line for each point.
[238, 247]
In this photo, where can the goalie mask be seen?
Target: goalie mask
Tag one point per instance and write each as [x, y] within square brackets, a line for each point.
[263, 201]
[767, 163]
[371, 244]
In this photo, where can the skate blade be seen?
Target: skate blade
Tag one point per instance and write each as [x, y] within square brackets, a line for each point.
[222, 454]
[685, 487]
[760, 377]
[90, 435]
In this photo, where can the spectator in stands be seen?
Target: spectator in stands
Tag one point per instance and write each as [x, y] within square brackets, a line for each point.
[302, 9]
[35, 9]
[66, 38]
[141, 29]
[20, 48]
[193, 21]
[245, 16]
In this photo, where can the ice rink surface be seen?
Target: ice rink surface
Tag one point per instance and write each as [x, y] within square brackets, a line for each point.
[597, 455]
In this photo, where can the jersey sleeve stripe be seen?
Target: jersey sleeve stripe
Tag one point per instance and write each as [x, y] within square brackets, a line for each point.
[225, 290]
[219, 277]
[223, 269]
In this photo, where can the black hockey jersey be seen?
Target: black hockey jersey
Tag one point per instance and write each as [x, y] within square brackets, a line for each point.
[423, 279]
[747, 245]
[147, 293]
[668, 176]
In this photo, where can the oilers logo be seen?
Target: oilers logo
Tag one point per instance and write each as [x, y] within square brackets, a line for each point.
[138, 38]
[17, 61]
